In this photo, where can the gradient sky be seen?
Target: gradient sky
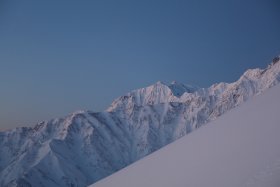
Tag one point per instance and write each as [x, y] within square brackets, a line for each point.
[58, 56]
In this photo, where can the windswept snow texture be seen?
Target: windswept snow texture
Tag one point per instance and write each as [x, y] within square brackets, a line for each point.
[240, 149]
[85, 146]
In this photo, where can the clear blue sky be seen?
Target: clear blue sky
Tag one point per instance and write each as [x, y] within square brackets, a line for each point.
[58, 56]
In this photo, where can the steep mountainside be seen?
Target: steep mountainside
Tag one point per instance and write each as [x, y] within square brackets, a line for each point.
[239, 149]
[84, 147]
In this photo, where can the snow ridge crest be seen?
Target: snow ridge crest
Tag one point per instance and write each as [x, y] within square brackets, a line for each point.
[84, 147]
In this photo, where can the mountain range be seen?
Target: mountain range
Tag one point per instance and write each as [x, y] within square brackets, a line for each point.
[84, 147]
[240, 148]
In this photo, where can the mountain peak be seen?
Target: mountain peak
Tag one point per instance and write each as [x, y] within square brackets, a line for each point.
[160, 83]
[174, 82]
[264, 76]
[276, 59]
[157, 93]
[178, 89]
[135, 125]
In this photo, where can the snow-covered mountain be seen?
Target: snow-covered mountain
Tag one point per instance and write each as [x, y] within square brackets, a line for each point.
[85, 146]
[239, 149]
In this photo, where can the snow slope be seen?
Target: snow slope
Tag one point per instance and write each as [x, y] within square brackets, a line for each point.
[241, 148]
[84, 147]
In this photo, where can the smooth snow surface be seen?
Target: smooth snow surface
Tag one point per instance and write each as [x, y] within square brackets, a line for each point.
[239, 149]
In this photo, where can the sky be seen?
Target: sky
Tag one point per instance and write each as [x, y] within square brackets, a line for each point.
[57, 57]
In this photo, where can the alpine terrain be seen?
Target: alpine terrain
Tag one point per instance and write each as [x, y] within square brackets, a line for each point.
[239, 149]
[84, 147]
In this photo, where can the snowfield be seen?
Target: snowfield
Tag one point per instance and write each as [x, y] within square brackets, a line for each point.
[239, 149]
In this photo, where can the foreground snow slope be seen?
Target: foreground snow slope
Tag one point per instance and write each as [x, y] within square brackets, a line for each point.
[239, 149]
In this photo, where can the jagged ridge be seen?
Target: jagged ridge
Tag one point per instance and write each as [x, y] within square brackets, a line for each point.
[84, 147]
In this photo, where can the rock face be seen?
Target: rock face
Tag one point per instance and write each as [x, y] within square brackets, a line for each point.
[85, 146]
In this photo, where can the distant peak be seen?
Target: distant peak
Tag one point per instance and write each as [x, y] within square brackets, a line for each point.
[79, 112]
[160, 83]
[176, 87]
[275, 60]
[275, 63]
[178, 84]
[174, 82]
[179, 89]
